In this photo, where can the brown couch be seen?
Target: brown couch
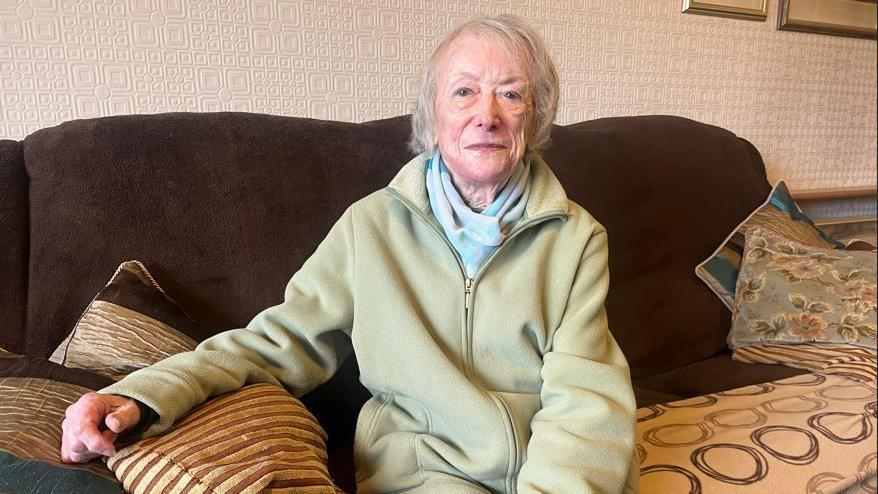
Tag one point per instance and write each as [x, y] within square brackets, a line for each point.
[224, 207]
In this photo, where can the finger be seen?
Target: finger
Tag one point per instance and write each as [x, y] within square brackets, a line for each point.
[110, 438]
[123, 417]
[81, 457]
[94, 440]
[74, 451]
[77, 456]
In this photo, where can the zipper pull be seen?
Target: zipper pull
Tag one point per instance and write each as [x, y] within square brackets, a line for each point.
[469, 290]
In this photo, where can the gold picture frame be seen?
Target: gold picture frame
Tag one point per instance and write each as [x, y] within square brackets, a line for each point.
[856, 18]
[753, 10]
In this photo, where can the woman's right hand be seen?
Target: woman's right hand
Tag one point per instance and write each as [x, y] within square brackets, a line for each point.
[93, 423]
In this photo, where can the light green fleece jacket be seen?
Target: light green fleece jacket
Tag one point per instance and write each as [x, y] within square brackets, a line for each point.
[506, 382]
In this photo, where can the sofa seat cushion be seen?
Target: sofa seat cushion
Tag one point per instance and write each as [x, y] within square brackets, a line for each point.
[711, 375]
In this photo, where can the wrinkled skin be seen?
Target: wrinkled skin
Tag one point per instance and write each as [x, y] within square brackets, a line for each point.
[82, 439]
[482, 102]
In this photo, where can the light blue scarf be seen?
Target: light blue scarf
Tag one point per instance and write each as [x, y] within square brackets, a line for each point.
[475, 235]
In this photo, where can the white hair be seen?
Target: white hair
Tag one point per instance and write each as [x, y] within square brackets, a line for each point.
[518, 38]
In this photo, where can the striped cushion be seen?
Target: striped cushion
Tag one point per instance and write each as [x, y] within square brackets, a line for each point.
[256, 439]
[848, 361]
[130, 324]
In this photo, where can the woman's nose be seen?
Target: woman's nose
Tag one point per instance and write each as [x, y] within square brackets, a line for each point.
[488, 117]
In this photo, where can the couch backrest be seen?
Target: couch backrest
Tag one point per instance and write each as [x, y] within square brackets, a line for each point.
[13, 246]
[668, 190]
[224, 207]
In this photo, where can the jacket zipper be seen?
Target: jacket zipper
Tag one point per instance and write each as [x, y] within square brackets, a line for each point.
[469, 283]
[468, 364]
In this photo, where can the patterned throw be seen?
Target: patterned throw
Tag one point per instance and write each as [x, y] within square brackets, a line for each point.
[813, 434]
[848, 361]
[257, 439]
[780, 215]
[129, 325]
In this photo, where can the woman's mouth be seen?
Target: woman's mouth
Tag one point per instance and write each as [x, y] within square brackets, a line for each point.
[486, 146]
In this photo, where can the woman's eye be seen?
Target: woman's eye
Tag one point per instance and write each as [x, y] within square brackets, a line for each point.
[512, 95]
[462, 92]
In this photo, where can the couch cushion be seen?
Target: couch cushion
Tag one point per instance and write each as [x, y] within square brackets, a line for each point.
[668, 190]
[778, 214]
[792, 293]
[223, 208]
[132, 323]
[256, 439]
[13, 246]
[711, 375]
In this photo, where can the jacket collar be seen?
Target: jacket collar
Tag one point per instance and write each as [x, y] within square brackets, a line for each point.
[547, 196]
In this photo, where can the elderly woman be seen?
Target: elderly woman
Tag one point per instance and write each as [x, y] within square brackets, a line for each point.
[471, 290]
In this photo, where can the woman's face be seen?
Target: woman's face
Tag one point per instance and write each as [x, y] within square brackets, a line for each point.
[482, 99]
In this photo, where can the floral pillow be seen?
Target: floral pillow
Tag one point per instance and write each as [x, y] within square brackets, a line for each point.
[788, 292]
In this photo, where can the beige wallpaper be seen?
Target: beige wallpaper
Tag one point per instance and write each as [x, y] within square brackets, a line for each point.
[807, 101]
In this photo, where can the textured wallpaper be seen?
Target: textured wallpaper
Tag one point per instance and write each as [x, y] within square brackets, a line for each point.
[807, 101]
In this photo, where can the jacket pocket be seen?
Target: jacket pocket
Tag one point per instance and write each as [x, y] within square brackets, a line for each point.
[365, 429]
[517, 411]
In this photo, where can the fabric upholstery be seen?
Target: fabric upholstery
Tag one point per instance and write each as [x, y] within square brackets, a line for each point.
[257, 439]
[223, 207]
[794, 293]
[709, 375]
[34, 395]
[129, 325]
[668, 190]
[13, 246]
[810, 433]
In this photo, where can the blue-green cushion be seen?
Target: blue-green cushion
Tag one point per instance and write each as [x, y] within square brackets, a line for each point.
[34, 476]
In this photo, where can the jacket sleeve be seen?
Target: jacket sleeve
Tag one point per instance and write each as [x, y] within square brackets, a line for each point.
[582, 438]
[298, 344]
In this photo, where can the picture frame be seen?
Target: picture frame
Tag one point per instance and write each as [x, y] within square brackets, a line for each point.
[753, 10]
[855, 18]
